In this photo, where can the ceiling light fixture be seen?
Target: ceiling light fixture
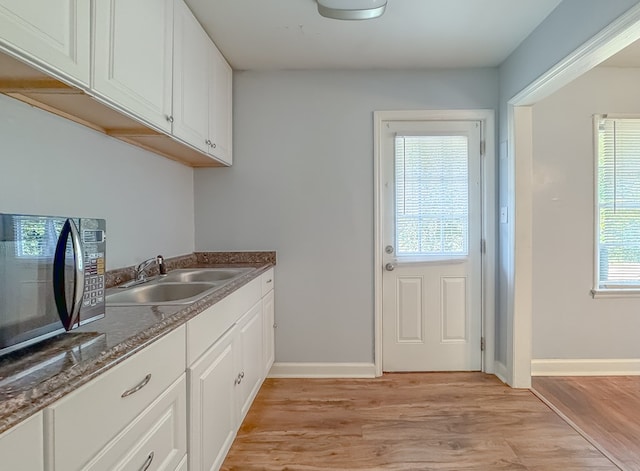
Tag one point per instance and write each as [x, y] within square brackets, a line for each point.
[351, 9]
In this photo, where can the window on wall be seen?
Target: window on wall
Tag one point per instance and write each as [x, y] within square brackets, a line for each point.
[618, 203]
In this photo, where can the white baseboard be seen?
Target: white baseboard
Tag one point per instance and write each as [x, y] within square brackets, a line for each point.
[587, 367]
[322, 370]
[500, 371]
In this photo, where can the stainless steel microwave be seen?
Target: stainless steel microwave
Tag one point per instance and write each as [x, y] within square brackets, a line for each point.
[52, 276]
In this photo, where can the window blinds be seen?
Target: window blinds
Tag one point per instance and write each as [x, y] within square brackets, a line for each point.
[618, 202]
[432, 196]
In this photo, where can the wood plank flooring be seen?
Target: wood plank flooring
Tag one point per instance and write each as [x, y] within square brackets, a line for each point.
[408, 421]
[605, 409]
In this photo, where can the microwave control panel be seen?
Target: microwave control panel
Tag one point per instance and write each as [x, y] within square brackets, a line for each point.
[94, 268]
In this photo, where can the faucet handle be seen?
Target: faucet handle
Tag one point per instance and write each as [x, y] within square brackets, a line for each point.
[162, 268]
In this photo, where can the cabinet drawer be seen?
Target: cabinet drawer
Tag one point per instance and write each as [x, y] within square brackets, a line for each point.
[157, 437]
[207, 327]
[21, 447]
[85, 420]
[268, 281]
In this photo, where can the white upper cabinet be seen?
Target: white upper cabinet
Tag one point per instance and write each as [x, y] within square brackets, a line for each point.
[192, 49]
[202, 88]
[133, 53]
[54, 35]
[220, 107]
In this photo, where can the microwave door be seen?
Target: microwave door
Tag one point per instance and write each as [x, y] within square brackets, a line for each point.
[68, 275]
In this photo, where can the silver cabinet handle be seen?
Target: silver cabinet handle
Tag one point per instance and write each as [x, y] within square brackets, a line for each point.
[208, 142]
[238, 379]
[147, 462]
[389, 267]
[269, 280]
[213, 145]
[170, 118]
[138, 387]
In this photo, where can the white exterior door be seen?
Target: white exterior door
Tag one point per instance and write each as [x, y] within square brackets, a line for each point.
[432, 226]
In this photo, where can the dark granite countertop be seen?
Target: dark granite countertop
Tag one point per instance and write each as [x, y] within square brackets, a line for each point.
[35, 377]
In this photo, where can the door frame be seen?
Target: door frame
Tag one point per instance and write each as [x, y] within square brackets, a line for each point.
[488, 230]
[610, 40]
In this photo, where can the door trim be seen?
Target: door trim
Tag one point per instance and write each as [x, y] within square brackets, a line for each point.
[488, 182]
[519, 316]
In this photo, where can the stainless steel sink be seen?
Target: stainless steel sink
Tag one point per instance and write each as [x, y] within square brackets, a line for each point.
[160, 293]
[189, 275]
[178, 287]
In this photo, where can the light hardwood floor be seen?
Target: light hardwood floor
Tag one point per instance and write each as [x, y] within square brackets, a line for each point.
[409, 421]
[604, 409]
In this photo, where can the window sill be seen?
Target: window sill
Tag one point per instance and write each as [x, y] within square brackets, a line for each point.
[616, 293]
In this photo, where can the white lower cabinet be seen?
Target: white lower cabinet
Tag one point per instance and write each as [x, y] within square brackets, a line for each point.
[85, 427]
[212, 414]
[225, 379]
[183, 465]
[155, 440]
[21, 446]
[250, 366]
[269, 320]
[223, 383]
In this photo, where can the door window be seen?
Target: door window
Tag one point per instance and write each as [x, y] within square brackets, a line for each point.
[431, 197]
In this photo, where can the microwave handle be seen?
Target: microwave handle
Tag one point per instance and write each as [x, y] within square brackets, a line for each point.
[68, 317]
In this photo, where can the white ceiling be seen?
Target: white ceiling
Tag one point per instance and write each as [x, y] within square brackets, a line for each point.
[412, 34]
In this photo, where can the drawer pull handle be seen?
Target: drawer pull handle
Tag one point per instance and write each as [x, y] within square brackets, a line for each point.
[137, 388]
[147, 462]
[269, 280]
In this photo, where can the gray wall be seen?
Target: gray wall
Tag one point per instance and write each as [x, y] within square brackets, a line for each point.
[302, 184]
[567, 321]
[570, 25]
[52, 166]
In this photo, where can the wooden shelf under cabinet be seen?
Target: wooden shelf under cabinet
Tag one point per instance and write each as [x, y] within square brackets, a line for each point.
[37, 89]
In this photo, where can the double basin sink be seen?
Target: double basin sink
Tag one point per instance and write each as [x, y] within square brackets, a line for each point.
[179, 287]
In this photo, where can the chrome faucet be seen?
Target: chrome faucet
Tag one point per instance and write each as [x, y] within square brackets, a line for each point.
[140, 270]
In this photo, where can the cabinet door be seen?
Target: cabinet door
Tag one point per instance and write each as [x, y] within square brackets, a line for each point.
[52, 34]
[212, 405]
[192, 48]
[252, 370]
[21, 447]
[268, 338]
[220, 107]
[183, 465]
[133, 54]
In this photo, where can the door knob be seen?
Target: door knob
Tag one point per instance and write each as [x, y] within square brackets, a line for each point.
[389, 267]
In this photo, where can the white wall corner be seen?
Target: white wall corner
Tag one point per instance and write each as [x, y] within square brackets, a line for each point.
[586, 367]
[500, 371]
[322, 370]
